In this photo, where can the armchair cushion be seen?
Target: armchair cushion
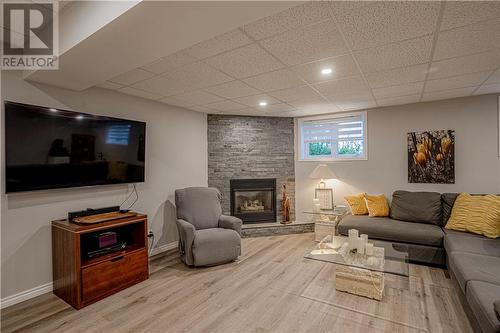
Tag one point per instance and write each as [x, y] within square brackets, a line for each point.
[199, 205]
[230, 222]
[215, 246]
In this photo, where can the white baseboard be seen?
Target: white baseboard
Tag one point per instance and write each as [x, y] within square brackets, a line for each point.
[163, 248]
[47, 288]
[25, 295]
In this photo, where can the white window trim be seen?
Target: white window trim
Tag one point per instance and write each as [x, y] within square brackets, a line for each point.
[299, 148]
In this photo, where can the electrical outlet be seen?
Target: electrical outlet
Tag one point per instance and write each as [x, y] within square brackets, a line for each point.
[150, 234]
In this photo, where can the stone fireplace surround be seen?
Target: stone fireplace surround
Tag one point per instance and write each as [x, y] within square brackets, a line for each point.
[244, 147]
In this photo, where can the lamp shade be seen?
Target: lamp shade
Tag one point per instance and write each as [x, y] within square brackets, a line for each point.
[322, 171]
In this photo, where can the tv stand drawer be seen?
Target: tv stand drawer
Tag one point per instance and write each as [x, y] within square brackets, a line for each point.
[115, 274]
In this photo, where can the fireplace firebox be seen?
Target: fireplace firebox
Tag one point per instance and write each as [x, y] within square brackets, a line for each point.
[254, 200]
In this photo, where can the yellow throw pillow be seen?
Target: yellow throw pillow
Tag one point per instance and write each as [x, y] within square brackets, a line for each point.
[357, 204]
[377, 205]
[479, 214]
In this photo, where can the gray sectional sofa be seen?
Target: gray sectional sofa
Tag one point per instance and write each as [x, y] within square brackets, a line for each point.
[417, 220]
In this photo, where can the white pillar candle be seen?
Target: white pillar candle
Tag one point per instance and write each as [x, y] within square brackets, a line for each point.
[364, 237]
[353, 233]
[361, 245]
[369, 249]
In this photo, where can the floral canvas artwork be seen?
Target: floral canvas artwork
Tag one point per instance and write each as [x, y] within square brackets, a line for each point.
[431, 157]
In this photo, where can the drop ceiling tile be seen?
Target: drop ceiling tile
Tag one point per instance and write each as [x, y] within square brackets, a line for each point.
[399, 90]
[302, 93]
[396, 76]
[342, 66]
[198, 97]
[280, 107]
[445, 94]
[471, 39]
[460, 13]
[356, 104]
[463, 65]
[245, 112]
[315, 107]
[460, 81]
[109, 85]
[387, 21]
[280, 79]
[177, 102]
[343, 87]
[488, 89]
[398, 100]
[244, 62]
[292, 18]
[314, 42]
[233, 89]
[132, 77]
[253, 101]
[226, 106]
[198, 75]
[169, 63]
[225, 42]
[200, 108]
[140, 93]
[494, 78]
[163, 85]
[400, 54]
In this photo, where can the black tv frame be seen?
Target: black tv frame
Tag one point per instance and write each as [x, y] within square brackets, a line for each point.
[6, 189]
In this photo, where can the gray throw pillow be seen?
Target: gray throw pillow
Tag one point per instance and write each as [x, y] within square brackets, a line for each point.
[421, 207]
[496, 306]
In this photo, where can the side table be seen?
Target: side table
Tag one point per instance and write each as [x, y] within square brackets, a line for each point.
[326, 221]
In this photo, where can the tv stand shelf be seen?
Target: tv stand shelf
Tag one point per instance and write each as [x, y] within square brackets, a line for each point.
[80, 280]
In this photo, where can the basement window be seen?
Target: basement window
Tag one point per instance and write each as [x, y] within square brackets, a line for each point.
[333, 138]
[118, 134]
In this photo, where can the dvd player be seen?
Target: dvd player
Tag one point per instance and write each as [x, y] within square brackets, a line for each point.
[106, 250]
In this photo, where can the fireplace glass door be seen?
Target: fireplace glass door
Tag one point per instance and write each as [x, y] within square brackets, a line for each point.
[254, 201]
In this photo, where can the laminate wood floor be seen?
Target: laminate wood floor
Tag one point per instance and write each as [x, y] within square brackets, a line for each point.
[271, 288]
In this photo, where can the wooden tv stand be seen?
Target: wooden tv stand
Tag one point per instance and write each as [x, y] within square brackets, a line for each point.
[81, 281]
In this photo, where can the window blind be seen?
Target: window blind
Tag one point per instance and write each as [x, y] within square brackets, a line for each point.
[333, 130]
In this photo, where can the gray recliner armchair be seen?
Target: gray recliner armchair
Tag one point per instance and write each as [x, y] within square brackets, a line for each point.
[206, 237]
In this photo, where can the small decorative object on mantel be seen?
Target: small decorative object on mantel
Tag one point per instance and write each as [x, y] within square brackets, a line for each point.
[285, 207]
[325, 196]
[431, 157]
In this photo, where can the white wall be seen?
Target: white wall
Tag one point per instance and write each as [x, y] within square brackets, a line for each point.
[176, 157]
[477, 165]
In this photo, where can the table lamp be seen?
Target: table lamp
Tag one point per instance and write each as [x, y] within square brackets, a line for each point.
[323, 172]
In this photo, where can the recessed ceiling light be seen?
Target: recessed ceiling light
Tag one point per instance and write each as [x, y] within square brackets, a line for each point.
[79, 117]
[52, 110]
[262, 103]
[326, 71]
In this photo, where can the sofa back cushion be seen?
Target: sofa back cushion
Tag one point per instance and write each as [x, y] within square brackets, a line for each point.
[421, 207]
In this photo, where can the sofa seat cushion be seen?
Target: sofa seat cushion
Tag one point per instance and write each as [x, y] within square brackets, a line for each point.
[420, 207]
[384, 228]
[469, 266]
[215, 245]
[481, 297]
[471, 243]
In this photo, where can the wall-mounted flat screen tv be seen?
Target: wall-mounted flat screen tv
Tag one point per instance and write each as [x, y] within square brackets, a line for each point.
[48, 148]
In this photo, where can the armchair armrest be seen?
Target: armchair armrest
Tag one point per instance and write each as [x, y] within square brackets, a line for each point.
[230, 222]
[186, 238]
